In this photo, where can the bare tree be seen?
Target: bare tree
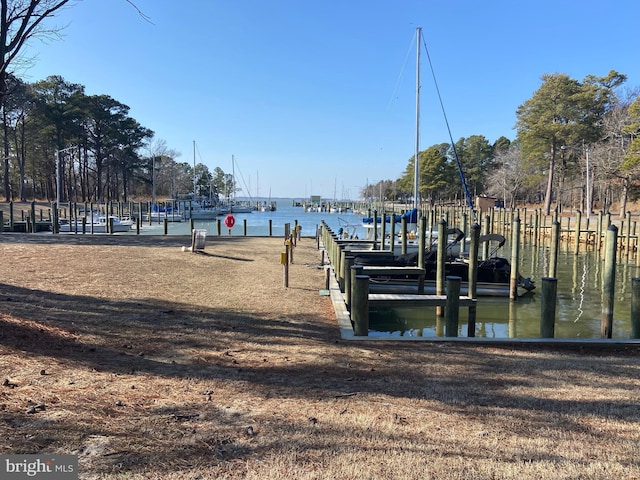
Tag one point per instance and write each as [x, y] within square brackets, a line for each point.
[20, 20]
[508, 178]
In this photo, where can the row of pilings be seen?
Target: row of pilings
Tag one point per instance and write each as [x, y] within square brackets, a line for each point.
[615, 240]
[39, 219]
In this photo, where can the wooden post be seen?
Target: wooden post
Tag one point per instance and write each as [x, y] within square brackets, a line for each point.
[341, 269]
[165, 225]
[355, 271]
[486, 231]
[463, 227]
[375, 231]
[348, 263]
[553, 251]
[635, 307]
[360, 306]
[452, 308]
[421, 239]
[2, 223]
[392, 233]
[473, 277]
[383, 229]
[11, 217]
[244, 227]
[441, 257]
[138, 226]
[284, 260]
[403, 235]
[271, 229]
[32, 214]
[627, 235]
[578, 225]
[327, 277]
[515, 259]
[548, 310]
[598, 238]
[609, 281]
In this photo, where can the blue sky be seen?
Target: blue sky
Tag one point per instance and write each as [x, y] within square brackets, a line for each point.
[319, 97]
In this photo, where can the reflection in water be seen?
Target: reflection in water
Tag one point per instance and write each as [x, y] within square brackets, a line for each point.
[583, 281]
[578, 311]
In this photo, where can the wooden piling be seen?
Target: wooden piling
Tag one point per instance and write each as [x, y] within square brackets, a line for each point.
[375, 230]
[360, 306]
[486, 230]
[348, 263]
[473, 277]
[341, 269]
[627, 235]
[441, 257]
[355, 271]
[392, 235]
[515, 259]
[403, 235]
[576, 249]
[553, 252]
[548, 310]
[635, 308]
[609, 281]
[452, 307]
[383, 229]
[421, 239]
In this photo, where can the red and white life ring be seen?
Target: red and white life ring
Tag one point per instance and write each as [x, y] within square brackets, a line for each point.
[229, 221]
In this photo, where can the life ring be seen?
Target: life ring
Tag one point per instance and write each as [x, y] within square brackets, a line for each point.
[229, 221]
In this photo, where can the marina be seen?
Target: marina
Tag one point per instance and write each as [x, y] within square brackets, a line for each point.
[579, 267]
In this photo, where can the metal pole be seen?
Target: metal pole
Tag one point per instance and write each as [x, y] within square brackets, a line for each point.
[416, 162]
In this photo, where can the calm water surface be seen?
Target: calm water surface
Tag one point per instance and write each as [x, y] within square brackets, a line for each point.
[578, 310]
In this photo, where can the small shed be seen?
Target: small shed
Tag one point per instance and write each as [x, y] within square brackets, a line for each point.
[486, 203]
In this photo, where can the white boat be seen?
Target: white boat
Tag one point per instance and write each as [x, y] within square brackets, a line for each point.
[198, 211]
[97, 224]
[267, 208]
[159, 217]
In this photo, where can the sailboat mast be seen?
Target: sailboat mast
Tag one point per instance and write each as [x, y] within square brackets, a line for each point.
[416, 162]
[194, 169]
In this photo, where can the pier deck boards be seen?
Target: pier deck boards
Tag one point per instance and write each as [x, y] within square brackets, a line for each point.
[416, 300]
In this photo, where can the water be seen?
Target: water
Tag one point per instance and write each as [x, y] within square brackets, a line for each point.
[258, 222]
[578, 309]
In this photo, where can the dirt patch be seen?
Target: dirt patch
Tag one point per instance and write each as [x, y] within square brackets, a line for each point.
[149, 362]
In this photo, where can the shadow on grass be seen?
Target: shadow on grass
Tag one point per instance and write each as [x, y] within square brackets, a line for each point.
[175, 340]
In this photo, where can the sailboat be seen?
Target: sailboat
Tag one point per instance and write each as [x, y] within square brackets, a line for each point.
[495, 274]
[235, 207]
[199, 209]
[412, 215]
[268, 206]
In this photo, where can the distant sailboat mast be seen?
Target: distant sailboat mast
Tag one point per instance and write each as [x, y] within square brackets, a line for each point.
[416, 162]
[194, 169]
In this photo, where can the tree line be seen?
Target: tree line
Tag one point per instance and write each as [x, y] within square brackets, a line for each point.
[53, 132]
[577, 146]
[60, 144]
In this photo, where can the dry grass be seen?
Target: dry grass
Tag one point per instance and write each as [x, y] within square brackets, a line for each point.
[152, 363]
